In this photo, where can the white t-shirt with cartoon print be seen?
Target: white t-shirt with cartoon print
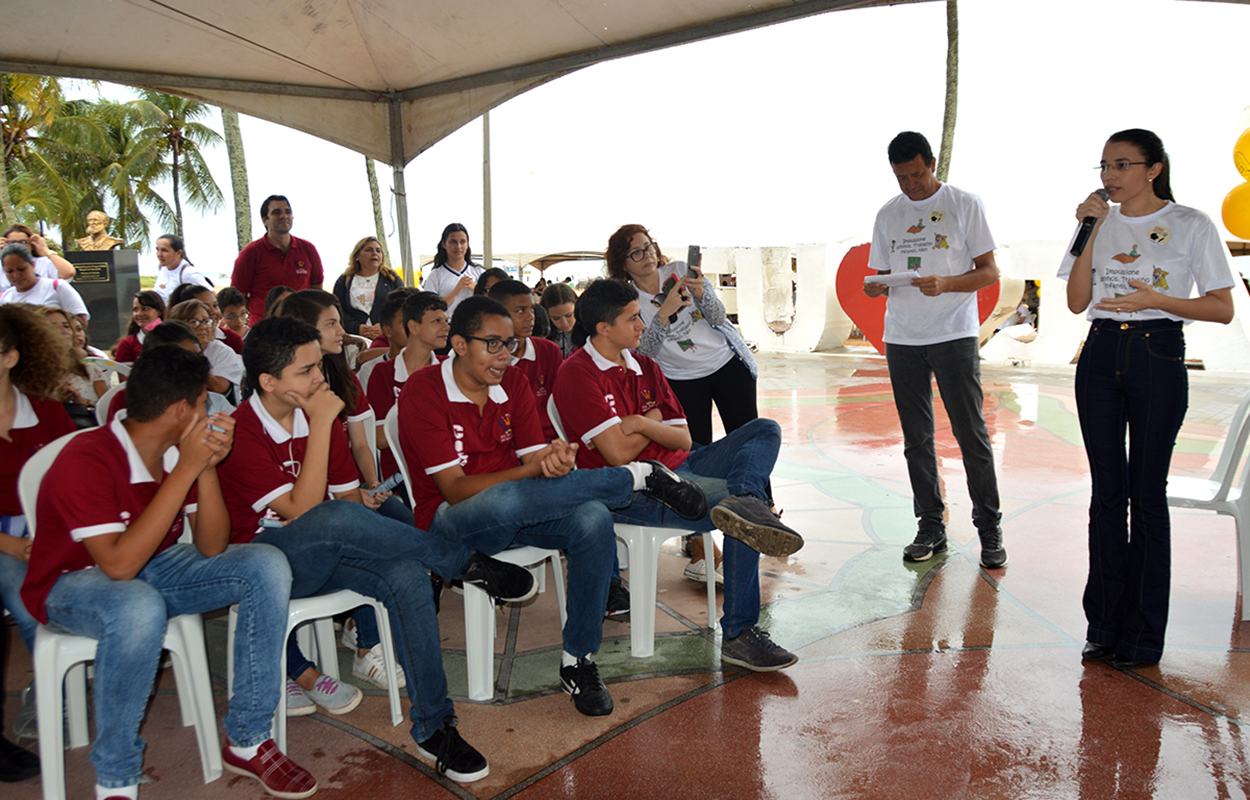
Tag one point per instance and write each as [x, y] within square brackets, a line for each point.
[939, 235]
[1174, 249]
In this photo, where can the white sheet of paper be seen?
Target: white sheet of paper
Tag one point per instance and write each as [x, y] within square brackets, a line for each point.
[892, 278]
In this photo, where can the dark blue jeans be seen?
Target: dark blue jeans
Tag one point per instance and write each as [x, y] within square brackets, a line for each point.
[1130, 378]
[957, 367]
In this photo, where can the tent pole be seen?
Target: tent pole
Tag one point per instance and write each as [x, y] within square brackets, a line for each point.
[400, 189]
[487, 229]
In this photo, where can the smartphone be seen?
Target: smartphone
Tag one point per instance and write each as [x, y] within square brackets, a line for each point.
[694, 258]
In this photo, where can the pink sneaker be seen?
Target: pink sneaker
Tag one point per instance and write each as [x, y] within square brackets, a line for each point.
[280, 776]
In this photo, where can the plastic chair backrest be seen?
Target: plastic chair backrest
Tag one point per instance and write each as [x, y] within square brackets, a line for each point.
[32, 476]
[553, 414]
[1233, 450]
[371, 436]
[102, 405]
[390, 427]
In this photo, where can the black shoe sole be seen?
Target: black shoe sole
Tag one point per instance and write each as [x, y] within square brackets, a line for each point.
[726, 659]
[1096, 652]
[941, 548]
[999, 565]
[697, 497]
[1119, 662]
[765, 540]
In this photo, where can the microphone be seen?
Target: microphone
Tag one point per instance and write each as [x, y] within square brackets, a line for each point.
[1087, 227]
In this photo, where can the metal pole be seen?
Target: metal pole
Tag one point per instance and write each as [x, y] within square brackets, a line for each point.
[401, 191]
[487, 235]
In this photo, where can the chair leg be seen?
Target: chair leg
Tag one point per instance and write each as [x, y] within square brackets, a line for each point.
[389, 657]
[709, 554]
[48, 714]
[643, 573]
[557, 576]
[75, 680]
[1243, 561]
[479, 629]
[232, 621]
[327, 649]
[185, 641]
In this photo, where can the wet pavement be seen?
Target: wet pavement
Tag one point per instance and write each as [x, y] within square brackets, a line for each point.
[936, 680]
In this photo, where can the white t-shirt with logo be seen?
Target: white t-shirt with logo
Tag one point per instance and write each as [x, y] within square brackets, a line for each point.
[1174, 249]
[939, 235]
[48, 292]
[169, 279]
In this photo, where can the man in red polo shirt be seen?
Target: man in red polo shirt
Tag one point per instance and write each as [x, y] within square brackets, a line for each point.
[275, 259]
[538, 359]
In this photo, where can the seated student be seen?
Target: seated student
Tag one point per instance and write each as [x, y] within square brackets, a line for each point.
[193, 291]
[559, 299]
[620, 407]
[234, 314]
[26, 286]
[536, 357]
[31, 363]
[227, 367]
[106, 564]
[177, 333]
[292, 454]
[470, 435]
[424, 331]
[392, 324]
[272, 298]
[146, 310]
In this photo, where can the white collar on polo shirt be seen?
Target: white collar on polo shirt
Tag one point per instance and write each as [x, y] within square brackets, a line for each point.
[529, 353]
[299, 426]
[454, 394]
[24, 416]
[604, 364]
[138, 470]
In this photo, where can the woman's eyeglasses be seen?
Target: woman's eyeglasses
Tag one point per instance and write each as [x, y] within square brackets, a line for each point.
[641, 253]
[1119, 166]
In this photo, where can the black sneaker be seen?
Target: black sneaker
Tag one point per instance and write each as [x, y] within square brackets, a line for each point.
[925, 545]
[686, 499]
[618, 598]
[993, 554]
[452, 755]
[752, 522]
[582, 681]
[505, 582]
[754, 650]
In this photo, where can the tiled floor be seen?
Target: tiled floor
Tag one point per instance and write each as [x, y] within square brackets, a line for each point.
[939, 680]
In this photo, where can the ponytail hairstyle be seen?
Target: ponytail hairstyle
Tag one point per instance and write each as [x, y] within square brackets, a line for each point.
[306, 306]
[175, 244]
[1151, 147]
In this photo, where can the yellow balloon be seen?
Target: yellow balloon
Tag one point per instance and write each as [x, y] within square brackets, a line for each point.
[1236, 211]
[1241, 154]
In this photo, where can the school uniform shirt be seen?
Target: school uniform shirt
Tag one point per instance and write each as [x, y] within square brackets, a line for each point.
[38, 421]
[443, 279]
[169, 279]
[593, 394]
[385, 383]
[265, 462]
[52, 292]
[225, 363]
[439, 428]
[97, 485]
[229, 338]
[540, 364]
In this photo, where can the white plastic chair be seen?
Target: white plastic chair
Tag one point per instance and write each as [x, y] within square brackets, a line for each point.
[317, 612]
[371, 436]
[60, 658]
[642, 559]
[1218, 493]
[479, 609]
[102, 405]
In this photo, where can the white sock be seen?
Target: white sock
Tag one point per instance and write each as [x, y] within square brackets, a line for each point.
[245, 753]
[640, 472]
[567, 660]
[102, 792]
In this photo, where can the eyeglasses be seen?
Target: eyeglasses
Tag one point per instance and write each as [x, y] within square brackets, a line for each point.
[235, 317]
[493, 345]
[199, 323]
[641, 253]
[1119, 166]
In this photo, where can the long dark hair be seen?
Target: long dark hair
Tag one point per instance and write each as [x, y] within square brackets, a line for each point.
[151, 299]
[306, 306]
[1151, 147]
[440, 258]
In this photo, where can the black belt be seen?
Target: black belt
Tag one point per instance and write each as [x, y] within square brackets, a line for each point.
[1143, 325]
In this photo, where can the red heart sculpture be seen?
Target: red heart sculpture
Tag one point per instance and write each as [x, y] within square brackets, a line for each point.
[868, 313]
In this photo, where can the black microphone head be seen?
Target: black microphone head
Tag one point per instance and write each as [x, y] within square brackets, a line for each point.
[1104, 195]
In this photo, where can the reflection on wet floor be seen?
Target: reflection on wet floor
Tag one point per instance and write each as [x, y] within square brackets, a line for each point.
[916, 680]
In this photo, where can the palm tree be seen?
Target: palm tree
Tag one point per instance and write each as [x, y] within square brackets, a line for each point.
[952, 90]
[377, 208]
[238, 176]
[170, 130]
[28, 104]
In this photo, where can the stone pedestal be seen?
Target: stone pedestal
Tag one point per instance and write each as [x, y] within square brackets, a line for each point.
[107, 281]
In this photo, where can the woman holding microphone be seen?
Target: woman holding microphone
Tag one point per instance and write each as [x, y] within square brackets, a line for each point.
[1134, 278]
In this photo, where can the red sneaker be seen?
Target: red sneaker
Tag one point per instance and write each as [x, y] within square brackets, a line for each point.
[280, 776]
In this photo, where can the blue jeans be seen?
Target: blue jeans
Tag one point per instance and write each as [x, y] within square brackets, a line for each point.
[1132, 379]
[957, 366]
[129, 618]
[569, 513]
[12, 573]
[738, 464]
[343, 545]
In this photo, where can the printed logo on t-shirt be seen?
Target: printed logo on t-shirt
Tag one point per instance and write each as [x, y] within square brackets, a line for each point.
[1159, 278]
[457, 431]
[937, 216]
[505, 427]
[301, 268]
[917, 228]
[939, 242]
[611, 403]
[648, 401]
[1129, 257]
[1160, 235]
[913, 262]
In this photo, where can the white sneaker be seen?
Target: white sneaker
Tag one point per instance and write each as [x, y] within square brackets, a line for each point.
[697, 571]
[372, 667]
[335, 697]
[298, 703]
[348, 639]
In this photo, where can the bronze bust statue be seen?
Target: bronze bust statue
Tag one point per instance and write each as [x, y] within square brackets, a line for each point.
[97, 237]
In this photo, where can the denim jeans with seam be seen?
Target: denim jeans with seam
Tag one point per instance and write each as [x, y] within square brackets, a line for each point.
[129, 618]
[1133, 381]
[12, 573]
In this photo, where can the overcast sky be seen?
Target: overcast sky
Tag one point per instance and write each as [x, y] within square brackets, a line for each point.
[778, 136]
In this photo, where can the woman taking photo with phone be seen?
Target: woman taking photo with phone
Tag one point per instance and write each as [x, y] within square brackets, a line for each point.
[689, 336]
[1134, 278]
